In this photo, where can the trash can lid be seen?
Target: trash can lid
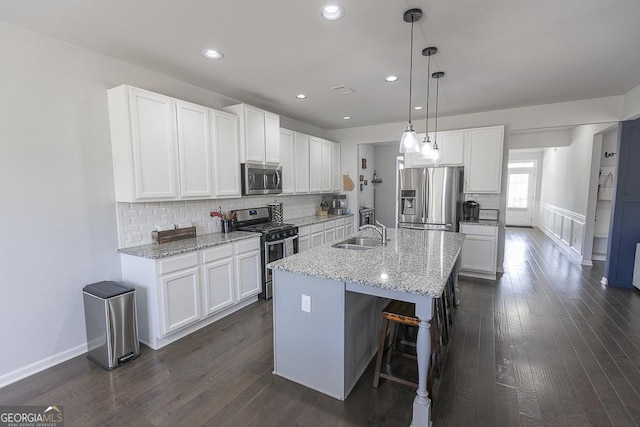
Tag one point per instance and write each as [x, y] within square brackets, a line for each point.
[107, 289]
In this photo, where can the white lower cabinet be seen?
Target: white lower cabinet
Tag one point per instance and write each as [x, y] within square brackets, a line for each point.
[304, 238]
[180, 299]
[317, 235]
[178, 295]
[479, 251]
[248, 265]
[218, 275]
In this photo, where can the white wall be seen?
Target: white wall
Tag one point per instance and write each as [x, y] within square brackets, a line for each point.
[386, 156]
[365, 197]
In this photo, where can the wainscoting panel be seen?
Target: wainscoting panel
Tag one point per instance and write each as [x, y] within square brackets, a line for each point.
[564, 227]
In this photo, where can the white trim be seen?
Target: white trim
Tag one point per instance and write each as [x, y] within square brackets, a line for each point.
[41, 365]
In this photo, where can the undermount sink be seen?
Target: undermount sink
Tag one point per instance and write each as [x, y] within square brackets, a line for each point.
[358, 243]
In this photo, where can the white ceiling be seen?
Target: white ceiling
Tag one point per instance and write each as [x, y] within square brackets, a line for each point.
[496, 53]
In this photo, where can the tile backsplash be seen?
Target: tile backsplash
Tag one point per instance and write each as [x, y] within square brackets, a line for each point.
[136, 221]
[487, 201]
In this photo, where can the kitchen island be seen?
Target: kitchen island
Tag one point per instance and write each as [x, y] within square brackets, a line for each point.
[327, 303]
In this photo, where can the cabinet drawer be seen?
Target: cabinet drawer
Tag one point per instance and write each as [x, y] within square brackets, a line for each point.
[176, 263]
[341, 221]
[316, 228]
[479, 230]
[330, 224]
[305, 230]
[247, 245]
[219, 252]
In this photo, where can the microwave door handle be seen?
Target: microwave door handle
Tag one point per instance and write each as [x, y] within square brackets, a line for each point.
[278, 179]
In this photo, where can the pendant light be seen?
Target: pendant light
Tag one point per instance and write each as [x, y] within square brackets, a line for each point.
[409, 140]
[435, 155]
[427, 146]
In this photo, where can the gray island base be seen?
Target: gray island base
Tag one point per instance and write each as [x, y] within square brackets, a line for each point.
[327, 303]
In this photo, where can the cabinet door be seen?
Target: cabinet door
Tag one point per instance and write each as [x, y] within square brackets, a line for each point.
[315, 165]
[330, 235]
[302, 163]
[335, 167]
[327, 170]
[340, 232]
[451, 146]
[194, 151]
[272, 138]
[304, 244]
[219, 280]
[248, 274]
[254, 134]
[478, 254]
[483, 160]
[154, 140]
[348, 228]
[226, 154]
[317, 239]
[180, 299]
[287, 161]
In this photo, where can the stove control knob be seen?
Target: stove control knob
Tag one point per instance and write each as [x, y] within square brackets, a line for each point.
[276, 236]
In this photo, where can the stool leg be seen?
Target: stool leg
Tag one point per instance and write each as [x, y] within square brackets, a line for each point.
[392, 345]
[381, 346]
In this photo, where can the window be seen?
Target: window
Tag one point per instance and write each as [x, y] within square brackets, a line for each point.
[518, 195]
[514, 165]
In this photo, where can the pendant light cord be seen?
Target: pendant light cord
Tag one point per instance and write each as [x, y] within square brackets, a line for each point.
[435, 135]
[428, 85]
[410, 68]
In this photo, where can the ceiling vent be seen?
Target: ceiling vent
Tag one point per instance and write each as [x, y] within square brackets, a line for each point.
[343, 90]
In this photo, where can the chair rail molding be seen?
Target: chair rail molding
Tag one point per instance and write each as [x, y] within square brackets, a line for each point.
[565, 228]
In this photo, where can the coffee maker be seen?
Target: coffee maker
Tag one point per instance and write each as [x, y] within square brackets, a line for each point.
[471, 210]
[338, 204]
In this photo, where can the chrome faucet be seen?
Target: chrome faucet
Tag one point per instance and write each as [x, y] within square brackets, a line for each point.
[382, 230]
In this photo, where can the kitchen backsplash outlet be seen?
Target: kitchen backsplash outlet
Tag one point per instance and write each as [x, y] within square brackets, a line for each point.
[136, 221]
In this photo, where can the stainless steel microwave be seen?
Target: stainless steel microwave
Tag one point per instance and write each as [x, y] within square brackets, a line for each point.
[261, 179]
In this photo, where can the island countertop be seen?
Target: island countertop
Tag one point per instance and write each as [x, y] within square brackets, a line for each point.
[414, 261]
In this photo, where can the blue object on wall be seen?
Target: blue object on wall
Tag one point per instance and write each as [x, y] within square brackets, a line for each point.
[624, 232]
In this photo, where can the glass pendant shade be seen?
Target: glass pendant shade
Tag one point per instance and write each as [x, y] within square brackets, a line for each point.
[435, 154]
[427, 149]
[409, 141]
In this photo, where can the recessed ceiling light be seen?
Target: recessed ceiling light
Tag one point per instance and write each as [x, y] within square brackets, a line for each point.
[391, 78]
[332, 12]
[301, 96]
[418, 107]
[212, 54]
[347, 117]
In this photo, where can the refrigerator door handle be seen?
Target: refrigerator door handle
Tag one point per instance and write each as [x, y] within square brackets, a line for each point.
[425, 195]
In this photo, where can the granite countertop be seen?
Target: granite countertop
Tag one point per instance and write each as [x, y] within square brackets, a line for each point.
[414, 261]
[489, 222]
[314, 219]
[163, 250]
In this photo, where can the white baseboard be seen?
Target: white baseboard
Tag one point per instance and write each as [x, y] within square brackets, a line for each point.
[41, 365]
[566, 248]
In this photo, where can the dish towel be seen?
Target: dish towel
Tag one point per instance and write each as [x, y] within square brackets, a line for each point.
[288, 246]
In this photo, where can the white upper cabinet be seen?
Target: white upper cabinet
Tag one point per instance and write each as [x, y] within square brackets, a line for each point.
[326, 165]
[272, 138]
[315, 165]
[301, 163]
[226, 154]
[483, 159]
[451, 145]
[168, 149]
[194, 151]
[287, 161]
[259, 134]
[336, 176]
[144, 144]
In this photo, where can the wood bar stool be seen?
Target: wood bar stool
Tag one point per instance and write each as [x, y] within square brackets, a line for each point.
[403, 313]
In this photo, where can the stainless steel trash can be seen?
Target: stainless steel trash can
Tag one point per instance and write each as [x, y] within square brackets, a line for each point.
[112, 328]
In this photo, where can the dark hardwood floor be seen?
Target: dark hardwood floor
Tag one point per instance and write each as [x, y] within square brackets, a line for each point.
[544, 345]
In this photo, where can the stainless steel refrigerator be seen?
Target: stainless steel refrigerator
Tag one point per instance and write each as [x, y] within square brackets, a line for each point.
[430, 198]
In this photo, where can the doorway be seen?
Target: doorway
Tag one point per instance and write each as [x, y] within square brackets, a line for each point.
[521, 188]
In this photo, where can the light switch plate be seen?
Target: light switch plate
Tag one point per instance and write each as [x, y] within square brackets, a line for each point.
[306, 303]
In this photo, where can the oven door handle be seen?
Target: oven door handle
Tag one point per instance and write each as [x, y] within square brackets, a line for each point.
[277, 242]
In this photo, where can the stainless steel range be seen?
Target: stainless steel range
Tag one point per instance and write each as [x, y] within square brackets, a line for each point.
[279, 240]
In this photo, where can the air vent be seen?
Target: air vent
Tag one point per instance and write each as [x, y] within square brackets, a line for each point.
[343, 90]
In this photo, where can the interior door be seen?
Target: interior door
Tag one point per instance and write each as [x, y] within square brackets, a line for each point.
[520, 193]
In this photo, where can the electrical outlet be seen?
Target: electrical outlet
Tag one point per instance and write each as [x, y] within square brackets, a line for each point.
[306, 303]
